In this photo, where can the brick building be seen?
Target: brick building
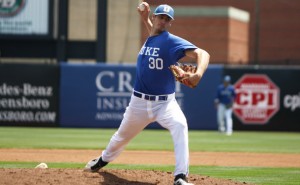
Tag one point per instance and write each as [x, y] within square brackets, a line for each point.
[274, 28]
[222, 31]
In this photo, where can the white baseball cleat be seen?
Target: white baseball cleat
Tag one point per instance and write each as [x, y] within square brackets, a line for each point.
[90, 164]
[94, 165]
[181, 179]
[182, 182]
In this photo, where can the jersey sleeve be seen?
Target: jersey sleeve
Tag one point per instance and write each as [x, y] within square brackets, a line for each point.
[178, 46]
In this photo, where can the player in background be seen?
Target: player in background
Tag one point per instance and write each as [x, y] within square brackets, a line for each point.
[153, 97]
[224, 102]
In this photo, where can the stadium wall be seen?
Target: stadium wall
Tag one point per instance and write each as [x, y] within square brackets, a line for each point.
[96, 95]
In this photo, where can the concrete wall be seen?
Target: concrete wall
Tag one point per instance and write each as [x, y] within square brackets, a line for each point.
[123, 27]
[123, 41]
[82, 20]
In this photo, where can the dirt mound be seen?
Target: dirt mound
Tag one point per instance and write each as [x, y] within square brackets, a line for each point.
[104, 177]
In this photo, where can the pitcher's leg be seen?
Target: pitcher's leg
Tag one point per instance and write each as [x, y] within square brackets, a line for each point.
[179, 134]
[174, 120]
[132, 124]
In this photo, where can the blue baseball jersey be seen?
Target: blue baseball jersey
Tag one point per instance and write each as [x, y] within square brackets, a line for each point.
[159, 52]
[226, 95]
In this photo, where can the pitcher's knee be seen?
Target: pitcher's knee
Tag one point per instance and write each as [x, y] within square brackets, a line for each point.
[180, 127]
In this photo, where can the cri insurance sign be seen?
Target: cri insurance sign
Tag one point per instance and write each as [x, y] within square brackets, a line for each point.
[257, 99]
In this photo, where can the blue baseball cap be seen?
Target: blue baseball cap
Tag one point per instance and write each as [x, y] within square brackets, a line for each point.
[227, 78]
[165, 10]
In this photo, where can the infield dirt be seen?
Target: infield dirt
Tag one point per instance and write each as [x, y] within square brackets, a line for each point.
[53, 176]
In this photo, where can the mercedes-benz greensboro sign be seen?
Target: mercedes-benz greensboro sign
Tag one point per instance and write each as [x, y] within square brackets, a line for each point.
[257, 99]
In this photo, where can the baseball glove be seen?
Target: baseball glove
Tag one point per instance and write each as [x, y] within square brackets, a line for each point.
[181, 73]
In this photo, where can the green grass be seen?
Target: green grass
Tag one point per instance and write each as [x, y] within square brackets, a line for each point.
[267, 142]
[255, 175]
[65, 138]
[53, 138]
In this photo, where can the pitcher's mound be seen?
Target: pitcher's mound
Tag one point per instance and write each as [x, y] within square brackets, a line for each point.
[50, 176]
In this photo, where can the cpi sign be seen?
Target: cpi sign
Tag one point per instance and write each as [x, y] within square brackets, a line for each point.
[257, 99]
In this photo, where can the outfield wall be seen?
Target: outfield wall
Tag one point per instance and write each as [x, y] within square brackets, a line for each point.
[96, 95]
[29, 95]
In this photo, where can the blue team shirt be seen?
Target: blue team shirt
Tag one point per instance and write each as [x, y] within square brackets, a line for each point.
[225, 95]
[157, 54]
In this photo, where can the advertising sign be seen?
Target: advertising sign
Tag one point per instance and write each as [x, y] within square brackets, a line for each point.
[28, 95]
[268, 98]
[97, 95]
[257, 99]
[24, 17]
[94, 95]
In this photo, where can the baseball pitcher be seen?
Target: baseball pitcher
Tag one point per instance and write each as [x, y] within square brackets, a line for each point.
[153, 96]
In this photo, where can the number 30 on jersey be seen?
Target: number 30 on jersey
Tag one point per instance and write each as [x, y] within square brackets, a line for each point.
[156, 63]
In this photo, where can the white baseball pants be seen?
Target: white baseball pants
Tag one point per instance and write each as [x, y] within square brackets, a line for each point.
[138, 115]
[224, 114]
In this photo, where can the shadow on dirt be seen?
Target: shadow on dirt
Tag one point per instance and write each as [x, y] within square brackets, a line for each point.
[111, 179]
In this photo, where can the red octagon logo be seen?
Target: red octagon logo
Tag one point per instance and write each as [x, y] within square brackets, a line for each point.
[257, 99]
